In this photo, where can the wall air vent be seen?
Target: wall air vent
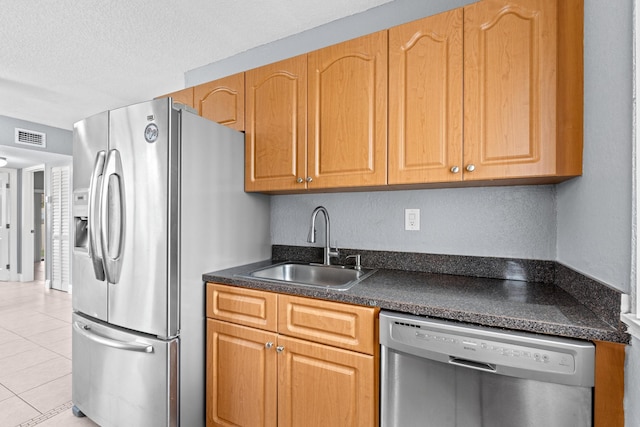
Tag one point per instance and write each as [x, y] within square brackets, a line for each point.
[30, 137]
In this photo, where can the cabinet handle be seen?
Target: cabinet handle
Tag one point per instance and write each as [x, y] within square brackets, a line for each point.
[280, 348]
[299, 180]
[309, 179]
[471, 167]
[268, 345]
[455, 169]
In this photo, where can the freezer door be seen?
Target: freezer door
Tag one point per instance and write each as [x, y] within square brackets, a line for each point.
[90, 144]
[139, 220]
[123, 379]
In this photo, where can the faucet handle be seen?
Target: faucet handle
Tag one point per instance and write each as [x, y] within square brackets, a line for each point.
[357, 266]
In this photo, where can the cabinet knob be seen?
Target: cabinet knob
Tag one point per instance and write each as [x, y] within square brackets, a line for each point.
[455, 169]
[268, 345]
[471, 167]
[309, 179]
[280, 348]
[299, 180]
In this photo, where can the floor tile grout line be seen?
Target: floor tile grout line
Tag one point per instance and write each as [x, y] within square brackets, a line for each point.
[46, 415]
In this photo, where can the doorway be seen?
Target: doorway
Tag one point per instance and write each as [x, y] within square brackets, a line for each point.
[45, 231]
[39, 211]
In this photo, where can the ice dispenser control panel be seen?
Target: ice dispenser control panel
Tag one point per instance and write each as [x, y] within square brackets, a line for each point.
[80, 219]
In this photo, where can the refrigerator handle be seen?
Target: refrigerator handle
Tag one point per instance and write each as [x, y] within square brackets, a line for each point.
[112, 221]
[85, 330]
[93, 222]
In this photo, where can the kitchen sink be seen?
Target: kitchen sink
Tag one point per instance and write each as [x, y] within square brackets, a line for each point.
[315, 275]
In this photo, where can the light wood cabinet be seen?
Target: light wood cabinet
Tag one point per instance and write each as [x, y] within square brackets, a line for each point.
[608, 398]
[241, 376]
[523, 74]
[318, 121]
[520, 63]
[305, 374]
[276, 128]
[222, 101]
[347, 114]
[320, 386]
[425, 99]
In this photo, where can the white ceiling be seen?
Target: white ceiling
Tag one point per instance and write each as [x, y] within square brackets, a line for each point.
[64, 60]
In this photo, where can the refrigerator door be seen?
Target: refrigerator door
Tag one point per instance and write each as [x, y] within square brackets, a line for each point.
[140, 202]
[90, 145]
[123, 379]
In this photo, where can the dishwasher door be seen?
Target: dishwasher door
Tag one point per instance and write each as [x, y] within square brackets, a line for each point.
[441, 374]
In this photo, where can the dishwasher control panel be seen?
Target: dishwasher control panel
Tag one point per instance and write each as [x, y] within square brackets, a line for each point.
[512, 353]
[489, 351]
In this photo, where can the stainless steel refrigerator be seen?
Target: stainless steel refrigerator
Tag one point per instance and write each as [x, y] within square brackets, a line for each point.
[157, 200]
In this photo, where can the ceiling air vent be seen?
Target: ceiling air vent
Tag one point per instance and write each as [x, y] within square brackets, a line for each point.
[30, 137]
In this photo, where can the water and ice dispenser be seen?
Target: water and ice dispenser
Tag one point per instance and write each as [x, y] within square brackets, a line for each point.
[81, 220]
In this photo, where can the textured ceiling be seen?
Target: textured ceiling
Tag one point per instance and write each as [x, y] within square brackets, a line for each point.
[63, 60]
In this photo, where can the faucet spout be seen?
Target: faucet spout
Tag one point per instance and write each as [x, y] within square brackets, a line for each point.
[311, 238]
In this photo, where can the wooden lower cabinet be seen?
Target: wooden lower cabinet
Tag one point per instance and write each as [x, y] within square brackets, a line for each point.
[241, 376]
[262, 378]
[320, 386]
[608, 405]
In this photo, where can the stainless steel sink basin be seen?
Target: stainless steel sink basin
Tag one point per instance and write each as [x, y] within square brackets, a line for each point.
[315, 275]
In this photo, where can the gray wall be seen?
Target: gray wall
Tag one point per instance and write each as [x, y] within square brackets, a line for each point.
[584, 223]
[515, 222]
[58, 140]
[594, 211]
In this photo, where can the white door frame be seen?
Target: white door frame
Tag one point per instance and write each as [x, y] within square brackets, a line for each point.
[27, 223]
[13, 230]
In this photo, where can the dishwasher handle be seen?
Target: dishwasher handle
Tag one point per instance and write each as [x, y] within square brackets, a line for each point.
[472, 364]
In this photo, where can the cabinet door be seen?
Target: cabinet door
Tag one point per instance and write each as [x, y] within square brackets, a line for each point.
[241, 376]
[184, 96]
[510, 88]
[425, 100]
[222, 101]
[276, 132]
[324, 386]
[347, 115]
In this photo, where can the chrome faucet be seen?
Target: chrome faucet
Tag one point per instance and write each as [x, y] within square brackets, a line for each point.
[328, 251]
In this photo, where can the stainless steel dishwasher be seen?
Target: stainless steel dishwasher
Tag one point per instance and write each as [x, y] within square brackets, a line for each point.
[447, 374]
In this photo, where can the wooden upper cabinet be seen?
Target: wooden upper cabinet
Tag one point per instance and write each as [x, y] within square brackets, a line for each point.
[184, 96]
[523, 74]
[425, 100]
[347, 114]
[276, 132]
[222, 101]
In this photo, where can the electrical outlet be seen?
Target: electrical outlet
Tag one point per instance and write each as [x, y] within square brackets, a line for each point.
[412, 219]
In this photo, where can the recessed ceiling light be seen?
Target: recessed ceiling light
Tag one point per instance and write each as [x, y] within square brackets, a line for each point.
[3, 162]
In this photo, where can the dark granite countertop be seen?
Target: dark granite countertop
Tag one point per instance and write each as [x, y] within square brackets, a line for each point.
[543, 308]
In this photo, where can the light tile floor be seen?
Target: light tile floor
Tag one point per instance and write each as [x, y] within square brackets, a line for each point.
[35, 356]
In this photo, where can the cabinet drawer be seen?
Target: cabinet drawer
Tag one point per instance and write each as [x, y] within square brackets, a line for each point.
[341, 325]
[242, 306]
